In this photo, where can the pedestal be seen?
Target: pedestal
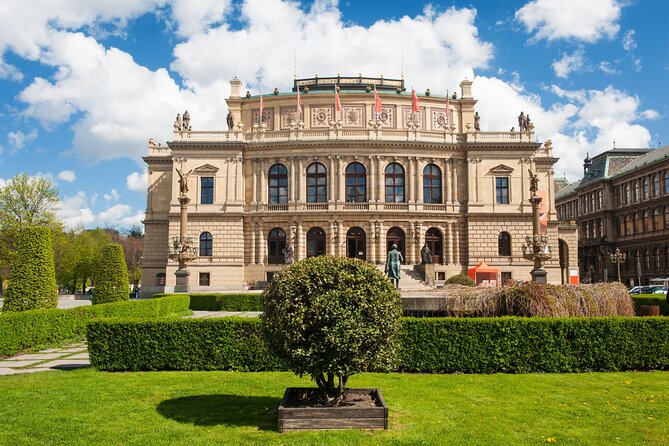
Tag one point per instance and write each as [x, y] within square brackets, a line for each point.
[182, 281]
[539, 275]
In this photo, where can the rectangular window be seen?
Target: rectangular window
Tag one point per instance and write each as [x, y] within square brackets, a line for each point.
[502, 190]
[204, 279]
[207, 190]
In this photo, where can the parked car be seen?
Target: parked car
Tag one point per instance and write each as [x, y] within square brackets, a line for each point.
[648, 289]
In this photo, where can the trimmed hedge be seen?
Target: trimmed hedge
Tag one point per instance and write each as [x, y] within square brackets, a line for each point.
[27, 329]
[652, 299]
[460, 279]
[111, 276]
[185, 344]
[226, 302]
[32, 284]
[439, 345]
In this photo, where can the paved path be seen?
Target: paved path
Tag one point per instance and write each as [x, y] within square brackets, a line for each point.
[213, 314]
[69, 357]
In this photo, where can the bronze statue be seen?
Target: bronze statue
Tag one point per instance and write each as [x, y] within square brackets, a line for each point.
[393, 263]
[183, 180]
[426, 255]
[231, 121]
[477, 121]
[534, 182]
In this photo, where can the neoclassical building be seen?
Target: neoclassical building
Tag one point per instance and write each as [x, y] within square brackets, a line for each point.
[621, 202]
[348, 176]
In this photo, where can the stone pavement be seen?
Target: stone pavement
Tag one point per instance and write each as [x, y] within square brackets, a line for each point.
[69, 357]
[213, 314]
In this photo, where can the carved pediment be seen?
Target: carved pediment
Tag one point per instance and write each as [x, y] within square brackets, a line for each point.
[502, 169]
[206, 168]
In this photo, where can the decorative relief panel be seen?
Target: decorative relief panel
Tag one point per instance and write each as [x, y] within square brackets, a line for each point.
[321, 116]
[353, 115]
[409, 116]
[387, 117]
[267, 117]
[439, 118]
[288, 114]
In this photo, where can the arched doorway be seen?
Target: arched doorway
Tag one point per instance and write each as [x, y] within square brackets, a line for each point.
[315, 242]
[434, 241]
[395, 236]
[355, 244]
[564, 260]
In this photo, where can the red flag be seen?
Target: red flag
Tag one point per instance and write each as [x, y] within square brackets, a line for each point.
[448, 109]
[377, 101]
[299, 102]
[337, 102]
[414, 101]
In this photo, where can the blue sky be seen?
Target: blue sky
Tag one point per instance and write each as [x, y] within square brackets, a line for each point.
[85, 83]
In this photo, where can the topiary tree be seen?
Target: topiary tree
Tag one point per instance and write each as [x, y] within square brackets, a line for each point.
[461, 279]
[111, 276]
[332, 317]
[33, 281]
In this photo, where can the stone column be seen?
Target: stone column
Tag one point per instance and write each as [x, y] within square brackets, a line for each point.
[421, 240]
[341, 198]
[380, 244]
[254, 168]
[301, 193]
[419, 187]
[478, 179]
[446, 181]
[253, 243]
[456, 243]
[409, 248]
[408, 181]
[331, 236]
[380, 181]
[370, 247]
[263, 181]
[262, 254]
[331, 179]
[454, 180]
[449, 243]
[239, 191]
[292, 178]
[371, 189]
[341, 240]
[300, 241]
[230, 183]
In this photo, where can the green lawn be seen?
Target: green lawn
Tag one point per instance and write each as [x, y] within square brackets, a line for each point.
[201, 408]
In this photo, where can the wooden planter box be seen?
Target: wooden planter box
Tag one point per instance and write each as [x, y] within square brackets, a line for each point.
[649, 310]
[327, 418]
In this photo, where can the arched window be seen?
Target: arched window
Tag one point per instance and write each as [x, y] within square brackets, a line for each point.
[638, 223]
[434, 241]
[504, 244]
[394, 183]
[657, 220]
[431, 184]
[644, 188]
[627, 193]
[647, 222]
[206, 242]
[315, 242]
[278, 184]
[356, 183]
[636, 191]
[276, 243]
[656, 185]
[317, 183]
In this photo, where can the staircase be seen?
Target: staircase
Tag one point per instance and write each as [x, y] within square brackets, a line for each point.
[410, 279]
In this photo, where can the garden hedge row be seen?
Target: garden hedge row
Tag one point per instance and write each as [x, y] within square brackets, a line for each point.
[23, 330]
[441, 345]
[652, 299]
[222, 302]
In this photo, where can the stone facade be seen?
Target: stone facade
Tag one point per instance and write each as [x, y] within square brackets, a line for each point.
[622, 202]
[425, 177]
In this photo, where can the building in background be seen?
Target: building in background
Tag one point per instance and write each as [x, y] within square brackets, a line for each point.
[622, 202]
[349, 175]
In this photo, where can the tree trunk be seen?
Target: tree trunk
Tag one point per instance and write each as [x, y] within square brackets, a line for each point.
[74, 285]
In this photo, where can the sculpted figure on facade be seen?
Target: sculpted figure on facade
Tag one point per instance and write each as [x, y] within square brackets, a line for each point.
[186, 121]
[183, 180]
[426, 255]
[230, 119]
[522, 123]
[477, 121]
[177, 123]
[288, 255]
[534, 182]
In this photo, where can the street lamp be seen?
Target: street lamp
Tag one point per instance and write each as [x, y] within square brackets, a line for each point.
[536, 247]
[618, 257]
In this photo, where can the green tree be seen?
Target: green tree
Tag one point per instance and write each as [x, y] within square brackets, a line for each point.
[33, 281]
[331, 317]
[111, 277]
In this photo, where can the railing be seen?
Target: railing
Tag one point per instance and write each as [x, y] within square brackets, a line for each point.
[277, 207]
[396, 207]
[434, 207]
[317, 206]
[356, 206]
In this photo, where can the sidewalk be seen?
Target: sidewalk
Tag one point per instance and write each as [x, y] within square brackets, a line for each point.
[69, 357]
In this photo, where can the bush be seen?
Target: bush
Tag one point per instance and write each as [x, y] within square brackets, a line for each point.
[444, 345]
[33, 280]
[111, 277]
[651, 299]
[226, 302]
[184, 344]
[332, 317]
[539, 300]
[460, 279]
[28, 329]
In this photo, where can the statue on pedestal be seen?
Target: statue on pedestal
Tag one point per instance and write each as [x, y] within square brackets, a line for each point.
[534, 182]
[186, 120]
[183, 180]
[231, 121]
[426, 255]
[477, 121]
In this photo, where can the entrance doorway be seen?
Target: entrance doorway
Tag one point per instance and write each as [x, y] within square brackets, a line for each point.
[395, 236]
[356, 244]
[315, 242]
[434, 241]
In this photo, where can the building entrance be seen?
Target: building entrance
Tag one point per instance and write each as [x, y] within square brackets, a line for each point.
[356, 244]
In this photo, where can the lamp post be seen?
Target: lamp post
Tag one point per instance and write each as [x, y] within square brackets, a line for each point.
[536, 247]
[618, 257]
[183, 250]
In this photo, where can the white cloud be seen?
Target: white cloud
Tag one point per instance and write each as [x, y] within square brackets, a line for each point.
[74, 211]
[569, 63]
[9, 72]
[628, 41]
[67, 175]
[113, 195]
[2, 182]
[588, 21]
[606, 68]
[18, 139]
[120, 215]
[138, 181]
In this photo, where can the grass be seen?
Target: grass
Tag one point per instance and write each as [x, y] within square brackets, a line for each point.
[228, 408]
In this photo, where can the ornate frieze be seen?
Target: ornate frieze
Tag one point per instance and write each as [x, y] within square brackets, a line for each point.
[409, 118]
[353, 115]
[321, 116]
[267, 118]
[387, 117]
[287, 116]
[438, 118]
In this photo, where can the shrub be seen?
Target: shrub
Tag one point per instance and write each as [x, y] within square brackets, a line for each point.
[226, 302]
[28, 329]
[33, 280]
[439, 345]
[539, 300]
[184, 344]
[111, 277]
[460, 279]
[651, 299]
[331, 317]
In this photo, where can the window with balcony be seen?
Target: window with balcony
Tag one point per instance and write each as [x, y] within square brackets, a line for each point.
[317, 183]
[502, 190]
[431, 184]
[356, 183]
[394, 183]
[278, 184]
[206, 190]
